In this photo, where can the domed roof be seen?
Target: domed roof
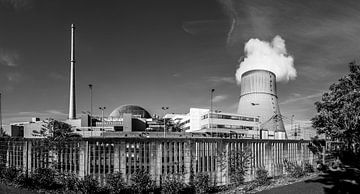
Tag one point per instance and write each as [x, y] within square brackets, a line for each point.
[132, 109]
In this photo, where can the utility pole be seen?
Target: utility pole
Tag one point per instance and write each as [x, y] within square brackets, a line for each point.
[102, 116]
[210, 114]
[164, 109]
[291, 126]
[91, 105]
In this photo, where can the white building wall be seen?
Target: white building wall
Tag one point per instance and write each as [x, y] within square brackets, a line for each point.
[195, 118]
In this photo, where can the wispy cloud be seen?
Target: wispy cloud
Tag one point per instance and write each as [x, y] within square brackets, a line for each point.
[296, 98]
[57, 76]
[55, 112]
[219, 79]
[17, 4]
[220, 98]
[9, 58]
[14, 76]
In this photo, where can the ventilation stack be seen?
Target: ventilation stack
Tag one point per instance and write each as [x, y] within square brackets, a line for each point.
[72, 103]
[258, 98]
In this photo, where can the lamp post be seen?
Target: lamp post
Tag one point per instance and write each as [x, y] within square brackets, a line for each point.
[164, 109]
[102, 116]
[291, 126]
[258, 125]
[211, 107]
[91, 106]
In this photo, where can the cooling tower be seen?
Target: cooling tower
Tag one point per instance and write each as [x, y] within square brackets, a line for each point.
[258, 98]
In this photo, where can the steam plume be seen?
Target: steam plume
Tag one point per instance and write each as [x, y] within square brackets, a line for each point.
[271, 56]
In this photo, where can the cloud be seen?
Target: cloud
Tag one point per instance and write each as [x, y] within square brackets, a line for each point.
[271, 56]
[17, 4]
[14, 77]
[8, 58]
[55, 112]
[219, 79]
[220, 98]
[297, 98]
[57, 76]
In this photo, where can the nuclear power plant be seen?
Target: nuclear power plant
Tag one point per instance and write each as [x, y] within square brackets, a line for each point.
[258, 115]
[258, 97]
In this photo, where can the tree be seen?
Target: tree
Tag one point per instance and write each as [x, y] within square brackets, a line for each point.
[338, 111]
[316, 146]
[237, 162]
[57, 136]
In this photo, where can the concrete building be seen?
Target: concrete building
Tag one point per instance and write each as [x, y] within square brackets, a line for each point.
[220, 124]
[25, 129]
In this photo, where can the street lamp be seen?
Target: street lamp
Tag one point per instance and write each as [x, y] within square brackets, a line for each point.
[258, 123]
[164, 109]
[211, 107]
[91, 106]
[102, 116]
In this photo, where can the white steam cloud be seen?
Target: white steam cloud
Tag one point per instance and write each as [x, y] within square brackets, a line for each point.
[271, 56]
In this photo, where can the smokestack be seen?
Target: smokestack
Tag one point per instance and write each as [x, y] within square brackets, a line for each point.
[258, 98]
[72, 103]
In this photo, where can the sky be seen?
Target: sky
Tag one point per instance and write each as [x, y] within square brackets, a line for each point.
[166, 53]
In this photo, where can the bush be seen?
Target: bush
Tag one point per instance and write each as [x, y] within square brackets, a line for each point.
[173, 184]
[89, 185]
[69, 182]
[24, 181]
[308, 168]
[251, 186]
[115, 182]
[293, 169]
[141, 181]
[201, 183]
[46, 178]
[10, 174]
[262, 176]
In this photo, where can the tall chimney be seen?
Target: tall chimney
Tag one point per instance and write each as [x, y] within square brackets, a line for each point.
[258, 98]
[72, 103]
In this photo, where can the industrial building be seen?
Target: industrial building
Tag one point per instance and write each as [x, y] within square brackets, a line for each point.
[258, 98]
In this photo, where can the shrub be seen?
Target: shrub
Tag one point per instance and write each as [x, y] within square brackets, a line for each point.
[308, 168]
[69, 182]
[173, 184]
[201, 183]
[10, 174]
[262, 176]
[24, 181]
[45, 178]
[115, 182]
[293, 169]
[250, 186]
[89, 185]
[236, 162]
[141, 181]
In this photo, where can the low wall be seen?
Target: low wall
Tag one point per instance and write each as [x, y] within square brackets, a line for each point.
[160, 156]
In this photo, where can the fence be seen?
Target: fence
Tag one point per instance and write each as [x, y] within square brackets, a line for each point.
[99, 157]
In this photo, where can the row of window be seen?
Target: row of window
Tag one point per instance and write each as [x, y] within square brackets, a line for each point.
[230, 117]
[227, 127]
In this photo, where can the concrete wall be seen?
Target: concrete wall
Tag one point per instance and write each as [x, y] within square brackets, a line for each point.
[160, 156]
